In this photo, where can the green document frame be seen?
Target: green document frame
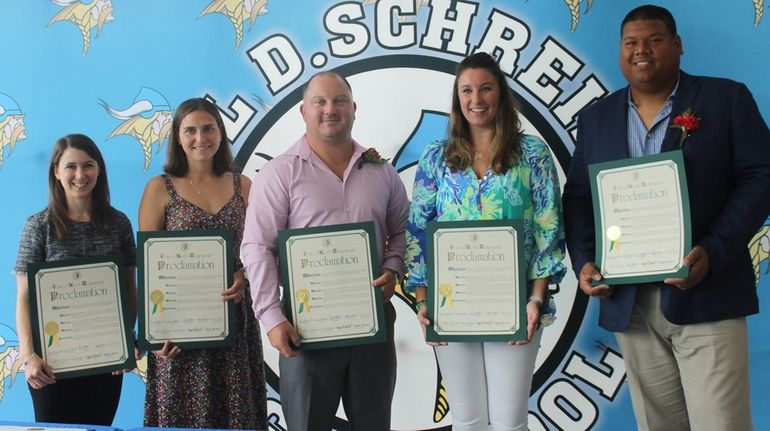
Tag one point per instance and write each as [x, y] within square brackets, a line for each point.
[79, 316]
[641, 218]
[181, 277]
[477, 284]
[327, 275]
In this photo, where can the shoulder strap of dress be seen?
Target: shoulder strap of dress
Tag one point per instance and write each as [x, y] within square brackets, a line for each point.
[237, 183]
[169, 184]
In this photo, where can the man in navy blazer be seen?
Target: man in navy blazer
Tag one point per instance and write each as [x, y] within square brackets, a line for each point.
[684, 341]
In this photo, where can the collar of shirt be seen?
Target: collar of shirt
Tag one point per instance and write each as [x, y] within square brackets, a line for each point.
[643, 142]
[303, 150]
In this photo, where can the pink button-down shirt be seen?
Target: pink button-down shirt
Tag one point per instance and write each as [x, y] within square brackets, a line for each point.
[298, 190]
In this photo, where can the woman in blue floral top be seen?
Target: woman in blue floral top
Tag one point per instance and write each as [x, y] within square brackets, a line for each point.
[489, 170]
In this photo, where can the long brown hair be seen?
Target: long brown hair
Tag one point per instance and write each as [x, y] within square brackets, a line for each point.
[176, 159]
[101, 210]
[506, 142]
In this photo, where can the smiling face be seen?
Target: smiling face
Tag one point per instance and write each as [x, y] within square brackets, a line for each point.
[649, 56]
[78, 173]
[199, 136]
[479, 97]
[328, 110]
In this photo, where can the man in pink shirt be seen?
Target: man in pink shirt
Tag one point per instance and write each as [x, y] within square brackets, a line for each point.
[317, 182]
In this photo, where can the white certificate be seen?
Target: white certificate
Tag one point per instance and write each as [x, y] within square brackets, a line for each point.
[327, 274]
[78, 316]
[182, 276]
[476, 281]
[642, 218]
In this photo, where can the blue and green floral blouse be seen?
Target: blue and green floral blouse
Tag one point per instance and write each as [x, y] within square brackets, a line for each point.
[528, 191]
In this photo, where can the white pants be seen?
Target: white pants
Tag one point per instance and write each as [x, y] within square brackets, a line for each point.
[488, 383]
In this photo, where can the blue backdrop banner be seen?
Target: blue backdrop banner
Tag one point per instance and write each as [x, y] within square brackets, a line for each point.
[115, 70]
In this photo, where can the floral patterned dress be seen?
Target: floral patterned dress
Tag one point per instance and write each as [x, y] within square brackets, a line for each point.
[529, 191]
[215, 387]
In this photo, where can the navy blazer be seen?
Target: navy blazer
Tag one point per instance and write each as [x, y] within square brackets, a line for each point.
[727, 163]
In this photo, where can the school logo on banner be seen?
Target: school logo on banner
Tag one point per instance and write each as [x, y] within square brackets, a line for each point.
[403, 94]
[86, 15]
[11, 126]
[399, 56]
[238, 12]
[11, 361]
[759, 248]
[147, 119]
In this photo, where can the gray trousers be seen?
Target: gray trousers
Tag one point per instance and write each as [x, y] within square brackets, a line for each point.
[685, 377]
[364, 376]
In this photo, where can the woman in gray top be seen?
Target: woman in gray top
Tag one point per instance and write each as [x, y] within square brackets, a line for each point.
[79, 222]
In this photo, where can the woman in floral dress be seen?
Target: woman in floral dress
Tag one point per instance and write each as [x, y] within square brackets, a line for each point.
[489, 170]
[212, 387]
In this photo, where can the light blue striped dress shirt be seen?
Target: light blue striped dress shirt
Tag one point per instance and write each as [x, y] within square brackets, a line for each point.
[643, 142]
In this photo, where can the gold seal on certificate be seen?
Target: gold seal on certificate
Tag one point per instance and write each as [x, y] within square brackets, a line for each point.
[327, 280]
[476, 281]
[641, 214]
[79, 316]
[181, 277]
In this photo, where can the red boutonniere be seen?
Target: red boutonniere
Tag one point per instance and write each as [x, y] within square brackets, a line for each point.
[687, 122]
[370, 156]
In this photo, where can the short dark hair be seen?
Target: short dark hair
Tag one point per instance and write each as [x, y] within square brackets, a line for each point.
[651, 12]
[101, 210]
[176, 159]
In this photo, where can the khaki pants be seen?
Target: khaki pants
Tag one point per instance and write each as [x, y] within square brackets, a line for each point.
[685, 376]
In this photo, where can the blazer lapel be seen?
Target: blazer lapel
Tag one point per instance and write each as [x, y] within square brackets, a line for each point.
[616, 147]
[684, 98]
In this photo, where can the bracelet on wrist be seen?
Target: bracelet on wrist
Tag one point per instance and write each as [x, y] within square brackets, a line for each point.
[537, 298]
[419, 304]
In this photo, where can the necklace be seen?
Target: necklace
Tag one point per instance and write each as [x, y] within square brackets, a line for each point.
[200, 193]
[477, 156]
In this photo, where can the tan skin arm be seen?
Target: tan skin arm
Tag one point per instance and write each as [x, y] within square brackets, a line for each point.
[152, 217]
[236, 291]
[698, 262]
[539, 287]
[421, 294]
[387, 283]
[589, 274]
[280, 336]
[152, 208]
[245, 188]
[36, 370]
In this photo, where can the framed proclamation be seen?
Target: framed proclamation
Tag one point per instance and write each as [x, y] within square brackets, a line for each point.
[327, 275]
[181, 278]
[641, 218]
[79, 316]
[476, 281]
